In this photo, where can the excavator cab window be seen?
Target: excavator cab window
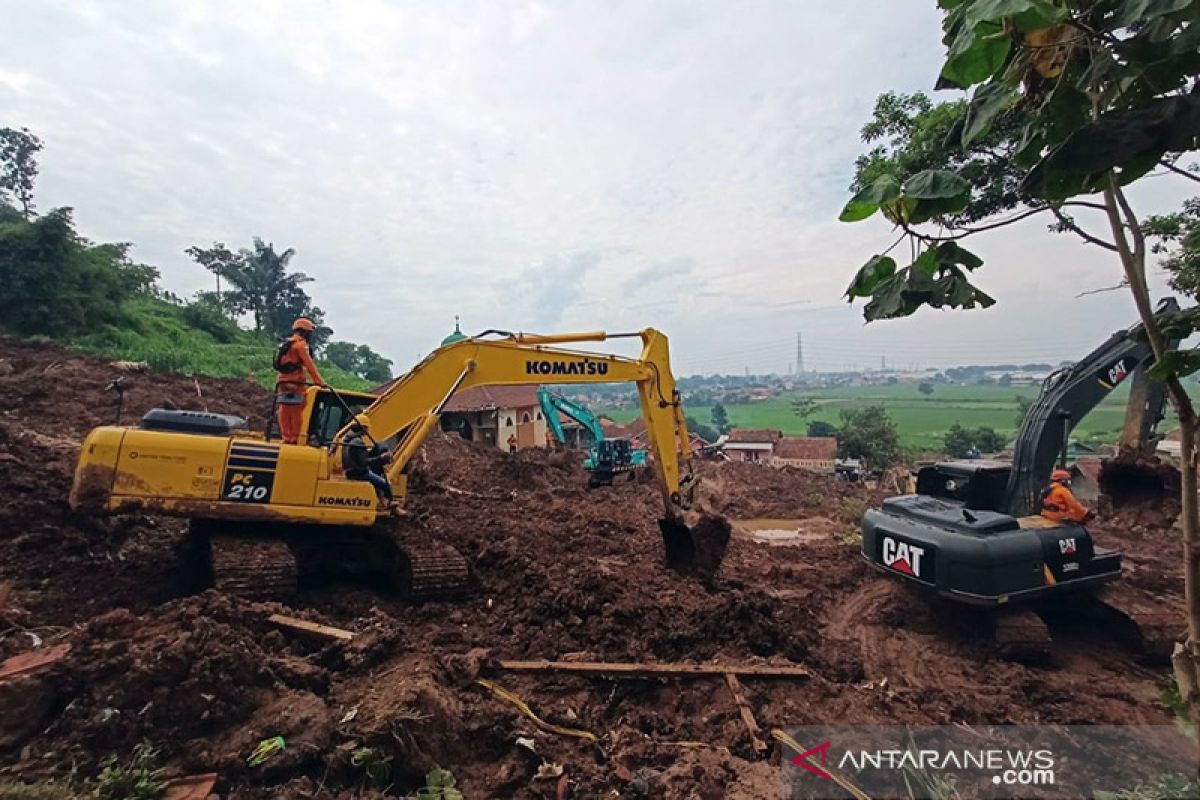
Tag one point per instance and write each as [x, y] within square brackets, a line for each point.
[328, 417]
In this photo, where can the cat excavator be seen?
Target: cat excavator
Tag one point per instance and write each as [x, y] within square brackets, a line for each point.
[266, 513]
[973, 532]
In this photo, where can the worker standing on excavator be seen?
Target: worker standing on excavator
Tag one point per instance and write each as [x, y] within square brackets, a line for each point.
[292, 360]
[1058, 503]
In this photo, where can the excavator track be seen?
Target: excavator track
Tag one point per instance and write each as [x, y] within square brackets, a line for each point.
[430, 570]
[1021, 635]
[1137, 619]
[255, 569]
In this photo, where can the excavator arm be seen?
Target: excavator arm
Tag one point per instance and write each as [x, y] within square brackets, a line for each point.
[1067, 397]
[552, 403]
[410, 408]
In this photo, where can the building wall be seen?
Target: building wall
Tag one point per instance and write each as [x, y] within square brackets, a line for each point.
[525, 423]
[812, 465]
[752, 453]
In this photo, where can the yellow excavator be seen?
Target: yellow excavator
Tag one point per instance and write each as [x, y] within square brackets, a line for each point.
[266, 513]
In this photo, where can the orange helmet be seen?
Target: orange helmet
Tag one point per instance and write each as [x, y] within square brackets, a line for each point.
[1060, 475]
[303, 324]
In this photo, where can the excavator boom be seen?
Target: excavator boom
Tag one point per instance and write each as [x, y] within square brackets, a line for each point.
[210, 469]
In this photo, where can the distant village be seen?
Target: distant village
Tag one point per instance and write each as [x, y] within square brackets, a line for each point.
[708, 390]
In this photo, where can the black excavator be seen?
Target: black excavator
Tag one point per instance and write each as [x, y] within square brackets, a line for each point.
[973, 532]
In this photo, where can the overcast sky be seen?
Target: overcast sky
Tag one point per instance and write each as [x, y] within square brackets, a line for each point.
[528, 166]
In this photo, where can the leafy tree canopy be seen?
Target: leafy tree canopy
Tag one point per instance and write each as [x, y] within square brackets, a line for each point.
[869, 434]
[1068, 100]
[56, 283]
[359, 360]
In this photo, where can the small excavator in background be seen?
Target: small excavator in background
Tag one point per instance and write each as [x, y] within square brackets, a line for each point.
[268, 512]
[974, 534]
[606, 457]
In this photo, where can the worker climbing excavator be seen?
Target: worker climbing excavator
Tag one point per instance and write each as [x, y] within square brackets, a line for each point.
[265, 511]
[607, 457]
[973, 532]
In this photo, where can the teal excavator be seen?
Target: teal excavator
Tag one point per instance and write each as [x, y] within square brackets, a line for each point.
[606, 457]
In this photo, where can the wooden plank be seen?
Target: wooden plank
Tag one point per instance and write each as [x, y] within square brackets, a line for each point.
[6, 588]
[303, 626]
[657, 670]
[32, 662]
[191, 787]
[739, 699]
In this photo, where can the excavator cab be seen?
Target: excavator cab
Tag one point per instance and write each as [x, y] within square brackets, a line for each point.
[329, 413]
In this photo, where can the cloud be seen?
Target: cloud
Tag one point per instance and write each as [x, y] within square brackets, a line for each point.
[656, 274]
[526, 165]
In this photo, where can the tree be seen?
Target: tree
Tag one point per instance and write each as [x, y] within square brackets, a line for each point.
[925, 388]
[359, 360]
[1169, 235]
[261, 286]
[720, 419]
[960, 441]
[1023, 404]
[56, 283]
[1071, 103]
[804, 407]
[870, 435]
[705, 432]
[820, 428]
[18, 167]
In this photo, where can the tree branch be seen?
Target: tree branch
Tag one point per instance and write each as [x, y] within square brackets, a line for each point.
[1178, 171]
[1133, 275]
[1083, 204]
[965, 232]
[1121, 285]
[1073, 226]
[1139, 238]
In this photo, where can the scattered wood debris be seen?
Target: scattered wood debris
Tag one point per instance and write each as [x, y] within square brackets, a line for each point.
[739, 699]
[191, 787]
[304, 627]
[32, 662]
[657, 670]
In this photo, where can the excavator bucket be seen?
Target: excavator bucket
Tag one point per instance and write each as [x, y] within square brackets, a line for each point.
[698, 549]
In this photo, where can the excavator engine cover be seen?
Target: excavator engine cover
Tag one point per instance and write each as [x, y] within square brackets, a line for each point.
[979, 556]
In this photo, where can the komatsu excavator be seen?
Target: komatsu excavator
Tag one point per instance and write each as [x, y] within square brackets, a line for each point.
[267, 512]
[973, 531]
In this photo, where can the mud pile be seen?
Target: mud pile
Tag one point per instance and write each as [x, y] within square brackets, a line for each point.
[560, 571]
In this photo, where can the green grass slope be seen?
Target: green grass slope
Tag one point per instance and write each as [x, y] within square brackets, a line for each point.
[181, 339]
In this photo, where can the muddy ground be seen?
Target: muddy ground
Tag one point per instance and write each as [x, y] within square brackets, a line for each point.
[560, 573]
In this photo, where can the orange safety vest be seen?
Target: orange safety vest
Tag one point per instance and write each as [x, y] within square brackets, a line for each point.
[1060, 505]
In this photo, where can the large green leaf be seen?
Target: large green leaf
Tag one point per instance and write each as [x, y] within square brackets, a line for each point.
[1139, 12]
[870, 198]
[975, 55]
[932, 184]
[989, 101]
[1026, 15]
[952, 254]
[868, 279]
[1176, 363]
[1129, 139]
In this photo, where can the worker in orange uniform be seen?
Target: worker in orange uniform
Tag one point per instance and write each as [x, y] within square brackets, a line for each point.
[292, 360]
[512, 443]
[1058, 504]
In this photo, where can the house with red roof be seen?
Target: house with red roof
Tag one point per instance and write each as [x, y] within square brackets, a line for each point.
[765, 446]
[505, 417]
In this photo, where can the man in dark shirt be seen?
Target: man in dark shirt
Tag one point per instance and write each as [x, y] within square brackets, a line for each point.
[365, 461]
